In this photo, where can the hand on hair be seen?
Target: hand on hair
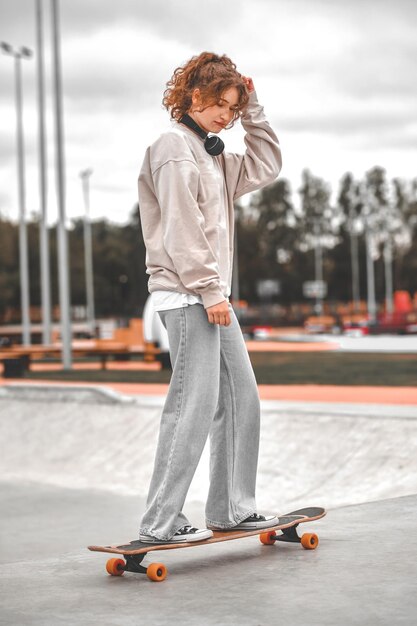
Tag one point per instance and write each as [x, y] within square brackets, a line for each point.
[249, 83]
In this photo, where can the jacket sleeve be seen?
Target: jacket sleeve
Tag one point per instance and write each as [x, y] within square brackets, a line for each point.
[176, 188]
[262, 162]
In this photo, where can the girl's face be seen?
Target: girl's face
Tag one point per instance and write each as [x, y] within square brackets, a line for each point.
[214, 118]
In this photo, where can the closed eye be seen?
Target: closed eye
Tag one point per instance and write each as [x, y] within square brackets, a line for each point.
[223, 104]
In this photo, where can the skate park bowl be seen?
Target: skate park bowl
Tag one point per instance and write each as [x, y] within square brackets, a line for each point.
[322, 454]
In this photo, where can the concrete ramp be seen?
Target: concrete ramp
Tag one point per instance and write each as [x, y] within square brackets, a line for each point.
[311, 454]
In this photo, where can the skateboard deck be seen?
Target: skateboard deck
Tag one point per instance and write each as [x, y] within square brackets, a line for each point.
[135, 551]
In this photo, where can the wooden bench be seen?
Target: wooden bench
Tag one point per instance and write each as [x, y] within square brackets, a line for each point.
[16, 359]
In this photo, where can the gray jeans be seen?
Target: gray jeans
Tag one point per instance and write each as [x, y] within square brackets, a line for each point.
[212, 392]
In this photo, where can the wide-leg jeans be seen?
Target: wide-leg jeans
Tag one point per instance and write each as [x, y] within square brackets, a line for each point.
[213, 392]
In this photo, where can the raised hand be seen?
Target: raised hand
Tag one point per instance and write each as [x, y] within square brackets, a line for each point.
[249, 83]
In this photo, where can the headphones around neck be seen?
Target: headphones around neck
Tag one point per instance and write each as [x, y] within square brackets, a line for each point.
[212, 144]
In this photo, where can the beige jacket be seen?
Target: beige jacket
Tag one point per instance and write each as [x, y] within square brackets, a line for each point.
[186, 205]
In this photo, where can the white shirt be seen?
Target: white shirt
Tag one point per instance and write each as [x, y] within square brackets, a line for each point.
[164, 300]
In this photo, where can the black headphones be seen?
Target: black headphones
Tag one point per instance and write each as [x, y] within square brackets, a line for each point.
[213, 144]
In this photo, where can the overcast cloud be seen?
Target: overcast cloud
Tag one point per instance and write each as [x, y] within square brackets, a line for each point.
[337, 80]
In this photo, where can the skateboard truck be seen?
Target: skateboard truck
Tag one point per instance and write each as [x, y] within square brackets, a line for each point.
[133, 563]
[309, 541]
[290, 535]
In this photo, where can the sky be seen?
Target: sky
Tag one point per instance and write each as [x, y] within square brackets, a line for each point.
[337, 80]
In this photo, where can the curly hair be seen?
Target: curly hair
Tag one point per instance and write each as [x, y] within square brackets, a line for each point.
[212, 75]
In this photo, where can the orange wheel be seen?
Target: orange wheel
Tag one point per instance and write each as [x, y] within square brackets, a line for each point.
[115, 567]
[268, 539]
[157, 572]
[309, 541]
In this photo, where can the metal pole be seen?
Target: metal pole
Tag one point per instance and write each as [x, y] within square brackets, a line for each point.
[355, 271]
[88, 251]
[318, 266]
[389, 304]
[354, 248]
[23, 237]
[370, 276]
[23, 52]
[43, 234]
[63, 266]
[354, 257]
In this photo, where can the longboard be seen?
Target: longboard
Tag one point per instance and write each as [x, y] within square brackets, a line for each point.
[135, 551]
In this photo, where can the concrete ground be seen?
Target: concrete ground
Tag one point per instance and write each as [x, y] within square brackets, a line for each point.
[66, 454]
[364, 571]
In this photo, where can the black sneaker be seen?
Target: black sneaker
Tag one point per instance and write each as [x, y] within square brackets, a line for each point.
[183, 535]
[253, 522]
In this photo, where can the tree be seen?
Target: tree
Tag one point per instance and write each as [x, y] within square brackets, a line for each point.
[385, 212]
[407, 271]
[277, 220]
[277, 225]
[320, 223]
[405, 207]
[349, 202]
[9, 266]
[250, 263]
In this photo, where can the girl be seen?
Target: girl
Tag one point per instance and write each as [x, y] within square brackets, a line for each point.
[187, 186]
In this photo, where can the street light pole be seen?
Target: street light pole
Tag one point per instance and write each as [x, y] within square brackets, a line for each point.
[43, 234]
[18, 54]
[63, 266]
[318, 265]
[355, 271]
[389, 288]
[88, 251]
[354, 249]
[370, 211]
[370, 276]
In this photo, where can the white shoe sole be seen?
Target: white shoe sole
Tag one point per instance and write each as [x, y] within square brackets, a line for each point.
[198, 536]
[271, 521]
